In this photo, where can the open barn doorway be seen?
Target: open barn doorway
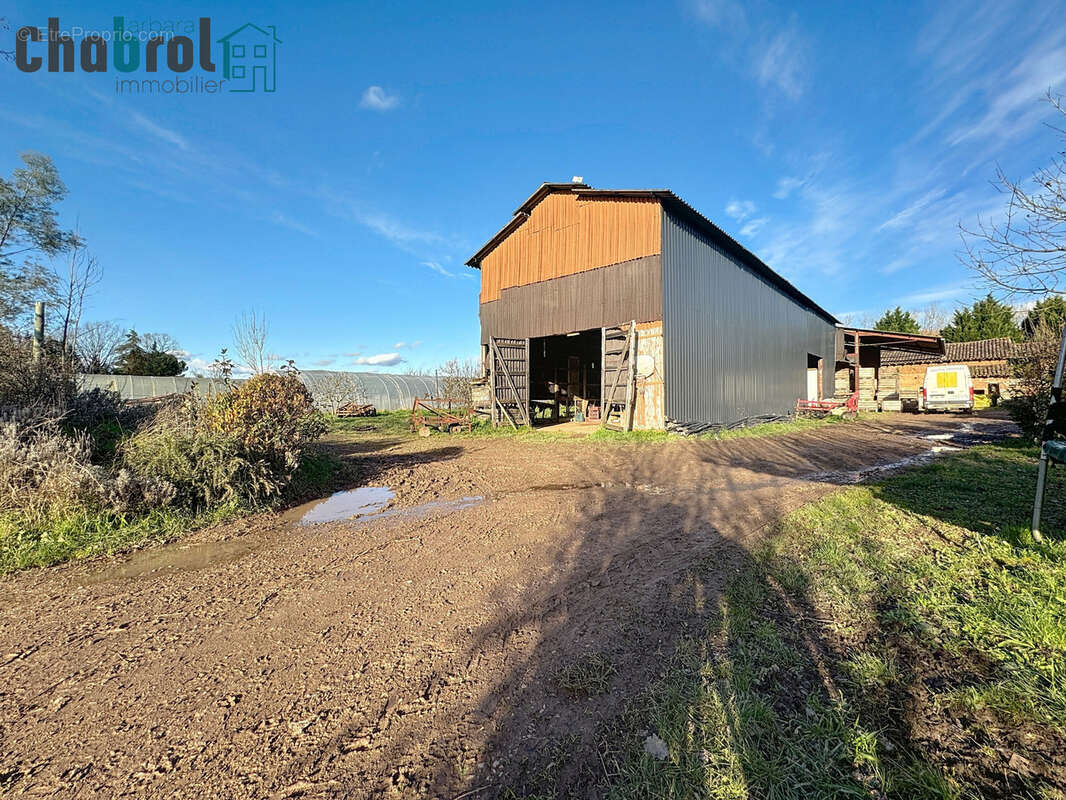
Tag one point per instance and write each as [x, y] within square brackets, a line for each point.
[565, 377]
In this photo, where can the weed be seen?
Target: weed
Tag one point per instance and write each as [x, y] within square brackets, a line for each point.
[590, 675]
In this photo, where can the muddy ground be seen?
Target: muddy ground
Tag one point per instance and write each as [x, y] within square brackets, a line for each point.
[404, 654]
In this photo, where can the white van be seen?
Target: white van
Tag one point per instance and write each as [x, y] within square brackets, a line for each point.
[947, 388]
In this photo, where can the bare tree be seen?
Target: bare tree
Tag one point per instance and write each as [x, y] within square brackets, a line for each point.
[932, 318]
[455, 376]
[1025, 253]
[97, 346]
[250, 338]
[82, 273]
[331, 390]
[160, 342]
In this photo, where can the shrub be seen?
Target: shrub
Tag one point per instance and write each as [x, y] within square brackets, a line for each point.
[46, 384]
[42, 468]
[47, 471]
[1033, 373]
[244, 445]
[272, 416]
[205, 468]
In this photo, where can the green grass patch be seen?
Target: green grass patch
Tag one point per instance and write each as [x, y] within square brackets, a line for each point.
[84, 533]
[796, 425]
[900, 640]
[398, 423]
[384, 422]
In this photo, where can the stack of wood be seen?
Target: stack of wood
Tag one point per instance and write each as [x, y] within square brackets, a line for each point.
[867, 389]
[842, 384]
[888, 391]
[354, 409]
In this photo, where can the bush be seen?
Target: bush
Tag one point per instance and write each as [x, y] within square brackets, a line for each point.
[46, 384]
[272, 416]
[205, 468]
[1033, 373]
[241, 446]
[42, 469]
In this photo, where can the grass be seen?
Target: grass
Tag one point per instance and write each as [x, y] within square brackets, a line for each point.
[398, 423]
[901, 640]
[590, 675]
[84, 532]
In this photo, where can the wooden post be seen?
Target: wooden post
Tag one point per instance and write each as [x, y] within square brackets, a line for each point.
[631, 378]
[38, 330]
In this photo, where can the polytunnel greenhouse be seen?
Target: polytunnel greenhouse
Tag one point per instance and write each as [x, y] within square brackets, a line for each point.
[384, 391]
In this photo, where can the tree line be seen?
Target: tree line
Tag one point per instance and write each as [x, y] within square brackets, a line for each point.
[986, 318]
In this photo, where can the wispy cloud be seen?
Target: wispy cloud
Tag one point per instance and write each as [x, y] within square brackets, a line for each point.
[323, 362]
[377, 99]
[285, 221]
[753, 226]
[159, 131]
[777, 54]
[436, 267]
[784, 63]
[740, 209]
[381, 360]
[786, 186]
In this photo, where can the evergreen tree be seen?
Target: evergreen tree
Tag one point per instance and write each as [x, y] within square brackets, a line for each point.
[1049, 312]
[985, 319]
[899, 321]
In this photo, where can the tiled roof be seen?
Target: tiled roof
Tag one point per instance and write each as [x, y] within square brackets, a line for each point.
[991, 370]
[999, 349]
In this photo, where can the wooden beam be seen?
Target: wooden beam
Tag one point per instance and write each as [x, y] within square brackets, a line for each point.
[631, 378]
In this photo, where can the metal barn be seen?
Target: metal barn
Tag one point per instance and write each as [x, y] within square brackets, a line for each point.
[631, 307]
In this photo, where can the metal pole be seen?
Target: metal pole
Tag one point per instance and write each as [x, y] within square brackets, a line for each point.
[1049, 430]
[38, 330]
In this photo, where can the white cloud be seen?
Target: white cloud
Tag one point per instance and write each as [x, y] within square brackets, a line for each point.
[378, 99]
[160, 132]
[740, 209]
[381, 360]
[724, 14]
[200, 366]
[323, 362]
[752, 227]
[287, 222]
[436, 267]
[784, 63]
[785, 187]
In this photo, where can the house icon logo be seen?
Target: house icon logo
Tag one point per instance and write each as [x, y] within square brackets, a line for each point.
[250, 58]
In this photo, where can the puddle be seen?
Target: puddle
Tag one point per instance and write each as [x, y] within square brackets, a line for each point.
[175, 558]
[878, 470]
[429, 509]
[344, 505]
[368, 503]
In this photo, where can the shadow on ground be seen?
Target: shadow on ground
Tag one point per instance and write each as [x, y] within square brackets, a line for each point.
[665, 628]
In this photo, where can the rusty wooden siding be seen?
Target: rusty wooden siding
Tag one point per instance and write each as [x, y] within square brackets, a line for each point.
[566, 234]
[597, 298]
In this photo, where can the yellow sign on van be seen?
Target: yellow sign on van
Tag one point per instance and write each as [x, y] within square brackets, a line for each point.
[947, 380]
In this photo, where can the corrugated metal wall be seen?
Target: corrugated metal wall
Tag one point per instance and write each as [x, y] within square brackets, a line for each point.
[735, 346]
[566, 234]
[591, 299]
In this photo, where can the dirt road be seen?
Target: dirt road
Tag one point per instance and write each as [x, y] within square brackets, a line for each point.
[405, 654]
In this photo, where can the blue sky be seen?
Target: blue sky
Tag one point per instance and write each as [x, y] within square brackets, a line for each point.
[844, 144]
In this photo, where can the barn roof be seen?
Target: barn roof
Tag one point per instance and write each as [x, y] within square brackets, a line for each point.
[999, 349]
[672, 203]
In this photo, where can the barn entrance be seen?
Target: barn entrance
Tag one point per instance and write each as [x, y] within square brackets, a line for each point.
[565, 377]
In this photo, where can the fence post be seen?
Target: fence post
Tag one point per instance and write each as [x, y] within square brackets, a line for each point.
[38, 330]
